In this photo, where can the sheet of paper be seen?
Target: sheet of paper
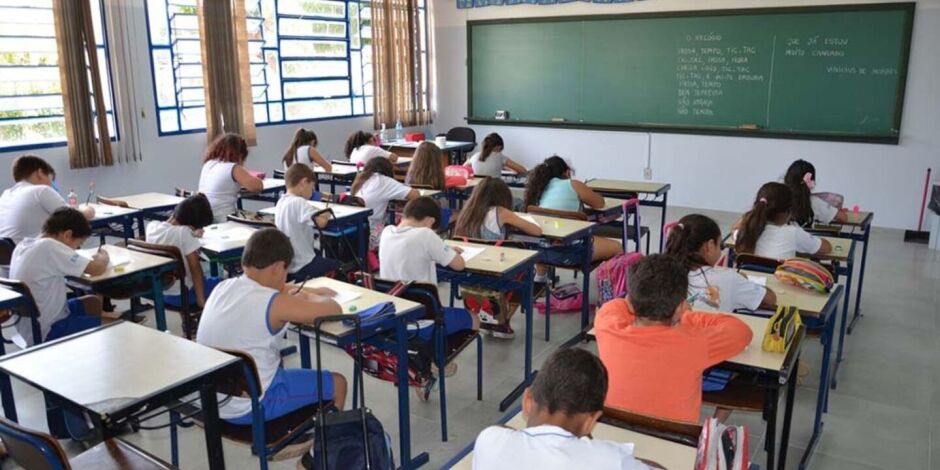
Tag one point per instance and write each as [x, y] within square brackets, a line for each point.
[343, 297]
[115, 260]
[469, 252]
[528, 218]
[759, 280]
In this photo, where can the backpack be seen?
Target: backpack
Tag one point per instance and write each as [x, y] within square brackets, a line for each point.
[612, 276]
[565, 298]
[722, 447]
[492, 306]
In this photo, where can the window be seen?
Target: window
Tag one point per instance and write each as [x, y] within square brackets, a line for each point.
[310, 59]
[31, 109]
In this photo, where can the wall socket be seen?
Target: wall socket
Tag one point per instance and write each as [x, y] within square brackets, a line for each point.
[648, 173]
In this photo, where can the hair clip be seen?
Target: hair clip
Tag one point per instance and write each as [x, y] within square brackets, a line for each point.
[763, 200]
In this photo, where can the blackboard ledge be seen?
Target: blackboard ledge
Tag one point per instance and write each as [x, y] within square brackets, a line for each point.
[696, 130]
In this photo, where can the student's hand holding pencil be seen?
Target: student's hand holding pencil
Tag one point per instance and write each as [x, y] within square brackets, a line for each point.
[102, 255]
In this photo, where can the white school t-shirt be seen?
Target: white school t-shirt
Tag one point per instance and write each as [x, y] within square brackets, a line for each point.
[785, 241]
[734, 289]
[549, 447]
[43, 264]
[364, 153]
[492, 166]
[293, 215]
[236, 317]
[217, 182]
[823, 211]
[377, 191]
[180, 236]
[412, 254]
[25, 207]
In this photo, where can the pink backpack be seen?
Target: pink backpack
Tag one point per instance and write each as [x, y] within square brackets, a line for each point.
[612, 276]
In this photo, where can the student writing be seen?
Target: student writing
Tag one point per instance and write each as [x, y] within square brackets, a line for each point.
[376, 186]
[303, 149]
[807, 208]
[488, 214]
[490, 161]
[294, 216]
[224, 175]
[427, 167]
[361, 148]
[766, 230]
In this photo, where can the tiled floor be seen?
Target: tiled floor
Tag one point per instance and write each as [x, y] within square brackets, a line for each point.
[883, 414]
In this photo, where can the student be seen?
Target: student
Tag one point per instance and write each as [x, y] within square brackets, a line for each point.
[696, 240]
[183, 230]
[550, 186]
[561, 408]
[303, 149]
[43, 264]
[655, 350]
[490, 161]
[411, 250]
[801, 178]
[251, 313]
[488, 213]
[224, 175]
[376, 185]
[294, 216]
[31, 200]
[361, 148]
[427, 167]
[766, 230]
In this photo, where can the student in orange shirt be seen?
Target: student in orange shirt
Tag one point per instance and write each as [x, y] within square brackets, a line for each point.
[655, 350]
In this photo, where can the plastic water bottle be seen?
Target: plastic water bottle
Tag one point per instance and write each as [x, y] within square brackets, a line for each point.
[92, 198]
[72, 198]
[399, 131]
[383, 134]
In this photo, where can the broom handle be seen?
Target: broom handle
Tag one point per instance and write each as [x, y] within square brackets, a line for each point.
[923, 202]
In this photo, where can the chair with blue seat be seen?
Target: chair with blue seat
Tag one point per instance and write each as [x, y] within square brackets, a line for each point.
[39, 451]
[189, 312]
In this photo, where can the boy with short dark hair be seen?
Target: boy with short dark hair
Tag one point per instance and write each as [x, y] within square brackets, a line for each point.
[251, 313]
[294, 216]
[411, 250]
[561, 408]
[43, 264]
[29, 202]
[655, 350]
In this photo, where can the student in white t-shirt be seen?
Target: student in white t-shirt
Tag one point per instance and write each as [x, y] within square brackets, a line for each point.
[43, 264]
[808, 208]
[376, 185]
[766, 230]
[183, 230]
[224, 175]
[294, 216]
[31, 200]
[696, 240]
[490, 161]
[303, 149]
[251, 313]
[361, 148]
[561, 408]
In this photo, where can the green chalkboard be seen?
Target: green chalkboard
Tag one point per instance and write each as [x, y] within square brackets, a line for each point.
[834, 72]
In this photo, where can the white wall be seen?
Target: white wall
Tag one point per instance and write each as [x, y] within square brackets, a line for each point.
[719, 172]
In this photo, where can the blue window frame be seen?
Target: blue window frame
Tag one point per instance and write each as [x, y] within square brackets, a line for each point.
[31, 109]
[309, 60]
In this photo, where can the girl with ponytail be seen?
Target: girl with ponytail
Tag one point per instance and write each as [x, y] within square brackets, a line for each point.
[490, 161]
[696, 241]
[766, 230]
[807, 208]
[303, 149]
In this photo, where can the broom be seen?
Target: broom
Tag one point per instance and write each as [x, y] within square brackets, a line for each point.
[919, 235]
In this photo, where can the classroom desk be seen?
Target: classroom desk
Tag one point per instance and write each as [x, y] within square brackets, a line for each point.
[503, 269]
[340, 335]
[773, 371]
[818, 311]
[347, 217]
[272, 189]
[568, 243]
[224, 242]
[668, 454]
[100, 372]
[616, 213]
[106, 214]
[455, 149]
[657, 195]
[140, 266]
[856, 227]
[9, 300]
[151, 206]
[342, 173]
[513, 179]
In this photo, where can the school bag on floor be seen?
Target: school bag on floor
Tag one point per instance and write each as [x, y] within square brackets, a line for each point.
[722, 447]
[611, 276]
[564, 298]
[492, 306]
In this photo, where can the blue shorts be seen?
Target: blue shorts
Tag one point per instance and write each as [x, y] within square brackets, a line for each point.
[78, 320]
[291, 390]
[175, 301]
[318, 266]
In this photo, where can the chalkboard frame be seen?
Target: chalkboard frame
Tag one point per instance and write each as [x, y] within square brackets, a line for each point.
[908, 8]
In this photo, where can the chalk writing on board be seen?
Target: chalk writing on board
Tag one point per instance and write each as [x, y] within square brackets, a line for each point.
[706, 66]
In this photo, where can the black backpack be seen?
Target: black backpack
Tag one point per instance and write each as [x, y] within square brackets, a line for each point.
[352, 439]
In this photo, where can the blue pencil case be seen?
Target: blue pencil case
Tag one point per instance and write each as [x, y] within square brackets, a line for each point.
[373, 315]
[715, 380]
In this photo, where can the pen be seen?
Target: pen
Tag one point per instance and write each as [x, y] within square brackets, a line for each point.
[300, 288]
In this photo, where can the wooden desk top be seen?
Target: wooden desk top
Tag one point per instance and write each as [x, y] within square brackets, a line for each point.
[621, 186]
[120, 365]
[107, 211]
[7, 295]
[138, 262]
[859, 218]
[556, 227]
[367, 299]
[671, 455]
[841, 247]
[339, 169]
[146, 201]
[403, 161]
[226, 236]
[271, 184]
[340, 210]
[807, 301]
[489, 261]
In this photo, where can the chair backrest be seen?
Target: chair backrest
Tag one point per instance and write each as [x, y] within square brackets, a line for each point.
[7, 245]
[576, 215]
[238, 385]
[28, 309]
[181, 192]
[32, 449]
[108, 201]
[675, 431]
[253, 219]
[425, 294]
[166, 251]
[462, 134]
[756, 263]
[349, 200]
[277, 174]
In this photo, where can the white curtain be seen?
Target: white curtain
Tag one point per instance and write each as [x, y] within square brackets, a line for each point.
[122, 35]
